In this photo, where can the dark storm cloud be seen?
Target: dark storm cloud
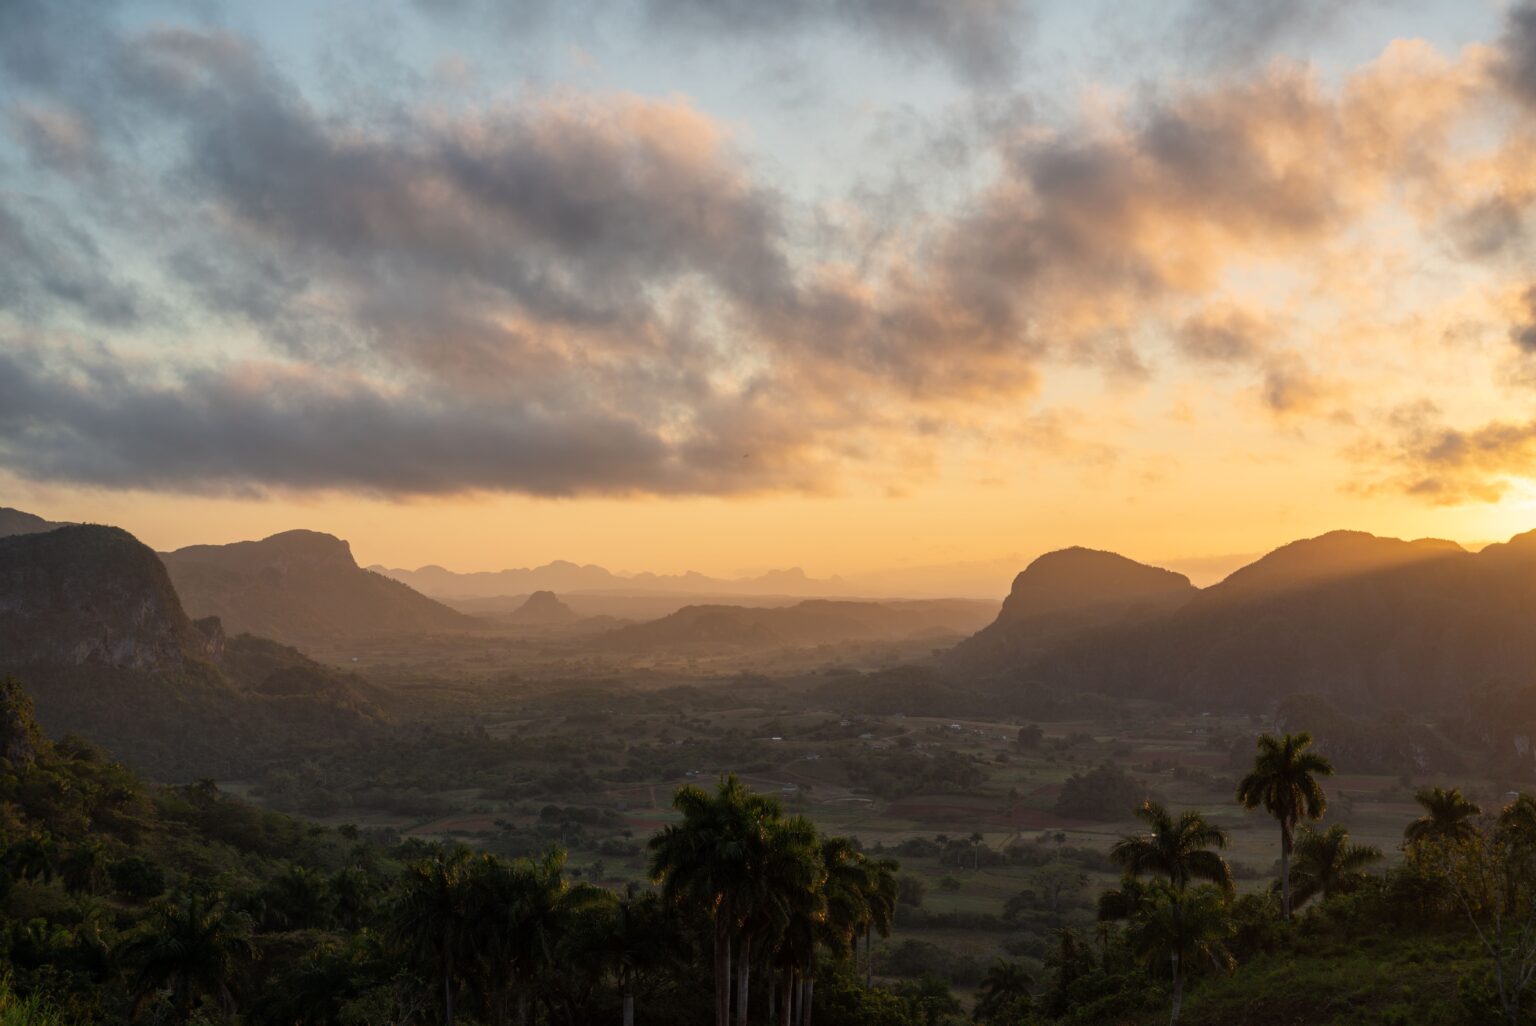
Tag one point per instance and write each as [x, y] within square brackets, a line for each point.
[508, 299]
[579, 294]
[1517, 52]
[571, 209]
[246, 429]
[596, 267]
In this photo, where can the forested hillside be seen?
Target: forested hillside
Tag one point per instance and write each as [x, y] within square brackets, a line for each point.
[124, 902]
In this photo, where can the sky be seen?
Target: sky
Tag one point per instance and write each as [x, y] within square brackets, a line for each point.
[851, 285]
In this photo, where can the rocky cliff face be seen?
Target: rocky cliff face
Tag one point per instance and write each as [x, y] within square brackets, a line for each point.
[1065, 593]
[93, 628]
[302, 588]
[87, 595]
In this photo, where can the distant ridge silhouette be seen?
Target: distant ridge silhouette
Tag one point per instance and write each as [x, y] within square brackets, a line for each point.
[302, 588]
[1360, 619]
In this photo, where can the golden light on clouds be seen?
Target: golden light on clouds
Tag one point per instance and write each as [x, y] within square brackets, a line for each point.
[494, 327]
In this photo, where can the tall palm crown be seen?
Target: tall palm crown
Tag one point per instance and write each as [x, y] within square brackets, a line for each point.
[1005, 992]
[1517, 822]
[1188, 930]
[194, 945]
[847, 889]
[706, 859]
[711, 861]
[1284, 782]
[1328, 863]
[431, 917]
[1448, 815]
[1179, 849]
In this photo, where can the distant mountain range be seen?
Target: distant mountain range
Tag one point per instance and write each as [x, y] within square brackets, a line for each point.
[805, 624]
[15, 521]
[302, 588]
[969, 579]
[1366, 622]
[563, 577]
[1370, 622]
[543, 609]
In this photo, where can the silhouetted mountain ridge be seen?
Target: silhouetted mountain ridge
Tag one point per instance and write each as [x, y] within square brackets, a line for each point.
[812, 622]
[302, 588]
[1366, 621]
[91, 623]
[542, 608]
[562, 577]
[15, 521]
[1064, 593]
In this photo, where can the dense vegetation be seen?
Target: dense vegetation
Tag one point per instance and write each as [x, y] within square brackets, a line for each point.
[124, 902]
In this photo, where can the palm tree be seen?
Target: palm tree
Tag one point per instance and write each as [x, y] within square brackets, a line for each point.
[544, 918]
[84, 869]
[706, 861]
[352, 890]
[1448, 815]
[1125, 901]
[638, 937]
[430, 918]
[32, 857]
[845, 883]
[797, 874]
[1327, 863]
[1179, 849]
[193, 945]
[296, 899]
[1004, 992]
[794, 953]
[1189, 929]
[1517, 822]
[1284, 781]
[518, 919]
[881, 891]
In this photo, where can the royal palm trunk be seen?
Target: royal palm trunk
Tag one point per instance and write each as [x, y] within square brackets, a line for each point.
[1285, 867]
[1178, 988]
[722, 971]
[743, 978]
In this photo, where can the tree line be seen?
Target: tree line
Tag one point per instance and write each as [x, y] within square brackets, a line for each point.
[129, 903]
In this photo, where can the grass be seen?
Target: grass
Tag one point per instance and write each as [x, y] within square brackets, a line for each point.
[18, 1011]
[1379, 981]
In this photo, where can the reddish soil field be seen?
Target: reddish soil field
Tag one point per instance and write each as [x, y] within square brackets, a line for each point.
[925, 811]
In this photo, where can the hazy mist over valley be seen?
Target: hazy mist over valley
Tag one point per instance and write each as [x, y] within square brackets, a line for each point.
[827, 513]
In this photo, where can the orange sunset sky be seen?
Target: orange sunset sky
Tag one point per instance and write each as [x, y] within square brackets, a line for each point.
[674, 287]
